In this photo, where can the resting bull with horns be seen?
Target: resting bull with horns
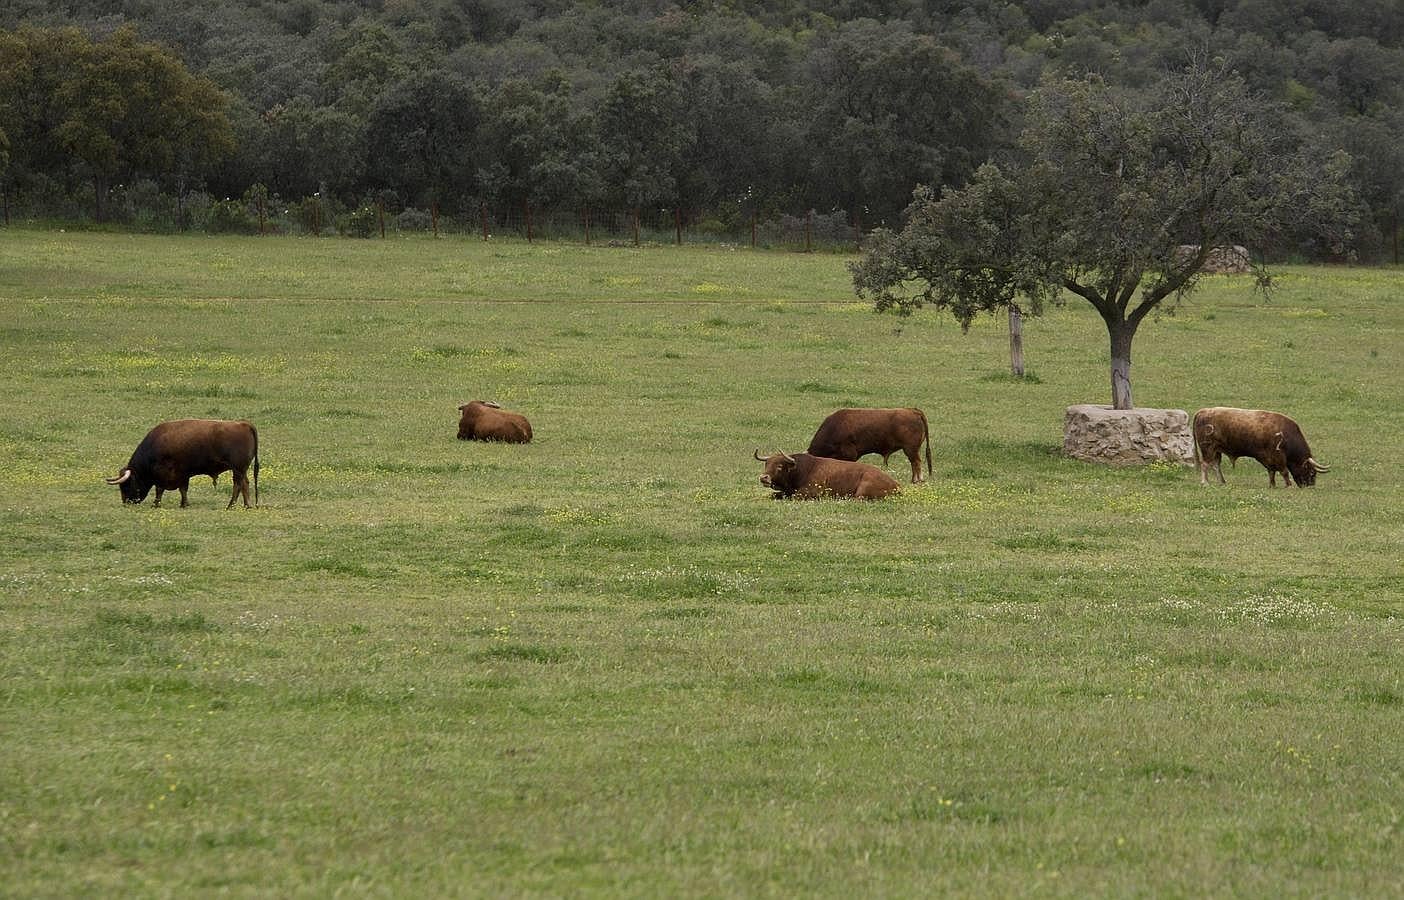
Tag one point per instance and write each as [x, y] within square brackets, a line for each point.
[809, 477]
[1271, 438]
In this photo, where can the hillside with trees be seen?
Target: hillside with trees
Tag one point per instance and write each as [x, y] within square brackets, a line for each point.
[152, 113]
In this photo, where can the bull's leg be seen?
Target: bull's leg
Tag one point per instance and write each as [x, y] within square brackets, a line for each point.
[1207, 462]
[244, 488]
[914, 457]
[234, 494]
[1272, 478]
[159, 492]
[1286, 477]
[184, 501]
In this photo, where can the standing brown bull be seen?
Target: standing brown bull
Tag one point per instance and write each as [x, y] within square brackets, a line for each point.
[174, 452]
[810, 477]
[1271, 438]
[851, 433]
[484, 420]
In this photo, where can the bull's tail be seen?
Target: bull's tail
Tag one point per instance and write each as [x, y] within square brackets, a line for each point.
[1195, 431]
[255, 434]
[927, 430]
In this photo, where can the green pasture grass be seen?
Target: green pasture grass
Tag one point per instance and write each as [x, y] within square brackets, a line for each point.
[605, 662]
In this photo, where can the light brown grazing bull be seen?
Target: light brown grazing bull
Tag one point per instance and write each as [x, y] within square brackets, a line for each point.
[174, 452]
[1271, 438]
[483, 420]
[808, 477]
[851, 433]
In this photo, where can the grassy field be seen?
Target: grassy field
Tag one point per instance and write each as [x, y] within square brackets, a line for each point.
[606, 663]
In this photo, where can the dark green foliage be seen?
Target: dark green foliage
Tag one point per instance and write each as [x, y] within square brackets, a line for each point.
[230, 217]
[105, 110]
[720, 109]
[362, 222]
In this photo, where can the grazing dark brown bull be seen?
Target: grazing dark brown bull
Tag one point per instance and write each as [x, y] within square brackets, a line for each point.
[851, 433]
[810, 477]
[174, 452]
[1271, 438]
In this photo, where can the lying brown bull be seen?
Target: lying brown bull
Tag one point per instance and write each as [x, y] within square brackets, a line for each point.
[809, 477]
[851, 433]
[174, 452]
[1271, 438]
[484, 420]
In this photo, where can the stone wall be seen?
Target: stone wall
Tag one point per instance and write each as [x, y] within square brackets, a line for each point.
[1220, 261]
[1127, 436]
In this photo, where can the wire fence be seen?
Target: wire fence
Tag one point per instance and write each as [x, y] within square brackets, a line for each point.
[142, 208]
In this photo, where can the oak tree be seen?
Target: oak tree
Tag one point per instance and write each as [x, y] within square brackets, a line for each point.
[1109, 189]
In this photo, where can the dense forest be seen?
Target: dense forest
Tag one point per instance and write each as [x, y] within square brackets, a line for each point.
[152, 112]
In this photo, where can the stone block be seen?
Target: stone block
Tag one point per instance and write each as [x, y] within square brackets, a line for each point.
[1121, 437]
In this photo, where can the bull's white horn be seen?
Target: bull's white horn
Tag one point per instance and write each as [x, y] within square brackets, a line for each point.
[126, 473]
[1318, 466]
[758, 456]
[788, 457]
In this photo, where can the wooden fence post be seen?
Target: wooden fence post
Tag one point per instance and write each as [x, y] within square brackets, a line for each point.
[587, 226]
[677, 223]
[808, 226]
[1016, 341]
[527, 207]
[434, 216]
[380, 214]
[858, 232]
[636, 226]
[482, 212]
[1394, 229]
[262, 217]
[317, 217]
[7, 206]
[753, 229]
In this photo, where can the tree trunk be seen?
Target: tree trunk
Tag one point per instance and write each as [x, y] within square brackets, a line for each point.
[1121, 335]
[1016, 341]
[1394, 230]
